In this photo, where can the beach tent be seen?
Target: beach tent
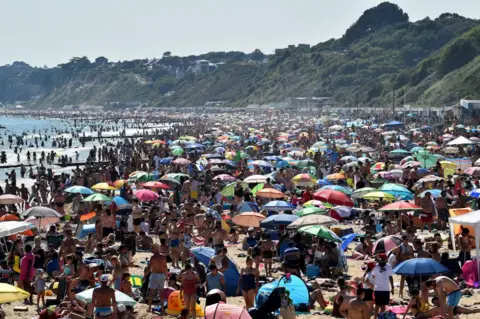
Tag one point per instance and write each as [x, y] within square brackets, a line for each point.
[222, 311]
[471, 219]
[295, 285]
[205, 254]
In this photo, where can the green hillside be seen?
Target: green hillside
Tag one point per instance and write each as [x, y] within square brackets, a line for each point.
[382, 52]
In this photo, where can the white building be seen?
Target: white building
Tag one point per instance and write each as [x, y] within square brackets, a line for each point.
[203, 66]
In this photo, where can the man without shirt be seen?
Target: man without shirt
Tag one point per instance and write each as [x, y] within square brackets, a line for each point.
[158, 274]
[357, 308]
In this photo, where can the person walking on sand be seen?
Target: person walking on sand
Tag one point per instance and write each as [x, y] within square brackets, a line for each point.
[382, 274]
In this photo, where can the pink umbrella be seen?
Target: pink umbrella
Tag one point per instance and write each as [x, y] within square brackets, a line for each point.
[146, 195]
[225, 178]
[226, 311]
[181, 161]
[473, 171]
[470, 273]
[9, 199]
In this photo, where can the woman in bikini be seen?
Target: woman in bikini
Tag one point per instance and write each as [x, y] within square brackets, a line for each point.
[266, 247]
[248, 282]
[190, 282]
[174, 234]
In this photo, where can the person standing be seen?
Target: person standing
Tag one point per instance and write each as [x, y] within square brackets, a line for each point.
[382, 274]
[465, 246]
[103, 299]
[27, 271]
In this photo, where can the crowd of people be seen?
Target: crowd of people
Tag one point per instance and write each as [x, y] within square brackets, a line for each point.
[186, 188]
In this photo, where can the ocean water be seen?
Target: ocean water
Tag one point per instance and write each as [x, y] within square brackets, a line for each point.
[33, 127]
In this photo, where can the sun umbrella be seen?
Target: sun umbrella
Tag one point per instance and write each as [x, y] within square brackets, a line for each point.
[9, 217]
[261, 163]
[306, 163]
[103, 187]
[461, 141]
[256, 179]
[9, 199]
[181, 161]
[378, 166]
[177, 151]
[333, 197]
[321, 232]
[378, 195]
[400, 206]
[119, 183]
[79, 189]
[226, 311]
[146, 195]
[277, 220]
[420, 267]
[317, 203]
[336, 176]
[397, 191]
[310, 211]
[9, 293]
[97, 198]
[248, 219]
[426, 159]
[475, 193]
[271, 193]
[313, 220]
[40, 211]
[304, 180]
[278, 205]
[359, 193]
[430, 179]
[225, 178]
[175, 176]
[120, 297]
[385, 244]
[399, 152]
[473, 171]
[155, 184]
[13, 227]
[345, 190]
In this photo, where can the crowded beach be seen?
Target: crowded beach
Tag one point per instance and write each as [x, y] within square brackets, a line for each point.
[233, 215]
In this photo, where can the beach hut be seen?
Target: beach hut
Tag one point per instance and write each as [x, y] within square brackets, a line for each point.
[205, 254]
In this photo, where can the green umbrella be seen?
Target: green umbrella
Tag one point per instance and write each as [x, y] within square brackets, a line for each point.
[97, 198]
[175, 176]
[305, 163]
[257, 188]
[321, 232]
[400, 151]
[229, 190]
[310, 211]
[426, 159]
[359, 193]
[177, 151]
[141, 177]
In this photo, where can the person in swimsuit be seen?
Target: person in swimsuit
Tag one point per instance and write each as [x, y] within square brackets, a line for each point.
[174, 235]
[108, 223]
[190, 282]
[186, 244]
[103, 299]
[158, 274]
[417, 304]
[69, 244]
[448, 292]
[248, 283]
[266, 247]
[117, 273]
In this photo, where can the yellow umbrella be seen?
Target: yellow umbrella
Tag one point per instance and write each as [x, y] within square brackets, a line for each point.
[448, 164]
[378, 195]
[103, 187]
[9, 293]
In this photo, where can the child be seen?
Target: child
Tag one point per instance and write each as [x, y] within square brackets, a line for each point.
[40, 287]
[68, 268]
[126, 286]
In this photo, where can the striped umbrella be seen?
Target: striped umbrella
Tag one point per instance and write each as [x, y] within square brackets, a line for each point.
[386, 244]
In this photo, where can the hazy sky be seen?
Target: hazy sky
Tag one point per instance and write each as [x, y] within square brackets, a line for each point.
[52, 31]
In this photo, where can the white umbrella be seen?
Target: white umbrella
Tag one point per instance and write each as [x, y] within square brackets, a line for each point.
[313, 220]
[13, 227]
[255, 179]
[9, 199]
[40, 211]
[120, 297]
[461, 141]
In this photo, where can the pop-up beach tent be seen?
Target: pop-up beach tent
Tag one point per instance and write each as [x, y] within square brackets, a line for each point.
[295, 285]
[205, 254]
[471, 219]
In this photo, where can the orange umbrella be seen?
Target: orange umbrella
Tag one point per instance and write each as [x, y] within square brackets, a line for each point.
[9, 217]
[335, 176]
[248, 219]
[270, 193]
[119, 184]
[87, 216]
[154, 184]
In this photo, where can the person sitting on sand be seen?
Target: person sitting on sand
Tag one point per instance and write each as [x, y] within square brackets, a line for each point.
[144, 242]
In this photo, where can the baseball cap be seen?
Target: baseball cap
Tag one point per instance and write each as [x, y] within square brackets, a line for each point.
[382, 256]
[104, 278]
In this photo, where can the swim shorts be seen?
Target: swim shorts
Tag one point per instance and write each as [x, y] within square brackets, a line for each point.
[454, 298]
[157, 281]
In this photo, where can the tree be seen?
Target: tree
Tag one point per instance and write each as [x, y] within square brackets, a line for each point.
[101, 60]
[257, 55]
[167, 54]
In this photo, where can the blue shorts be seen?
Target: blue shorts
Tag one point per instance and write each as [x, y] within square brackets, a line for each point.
[453, 298]
[175, 243]
[103, 311]
[156, 281]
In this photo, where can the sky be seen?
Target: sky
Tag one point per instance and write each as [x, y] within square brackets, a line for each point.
[50, 32]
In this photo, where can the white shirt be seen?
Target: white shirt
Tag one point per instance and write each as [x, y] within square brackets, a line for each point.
[382, 275]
